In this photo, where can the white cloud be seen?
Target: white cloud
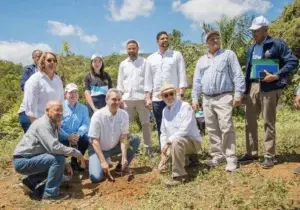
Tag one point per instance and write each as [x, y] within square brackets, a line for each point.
[20, 52]
[130, 9]
[62, 29]
[210, 10]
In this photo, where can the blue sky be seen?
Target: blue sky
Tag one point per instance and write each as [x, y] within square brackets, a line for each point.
[103, 26]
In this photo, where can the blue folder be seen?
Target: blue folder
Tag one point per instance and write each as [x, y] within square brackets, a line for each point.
[259, 65]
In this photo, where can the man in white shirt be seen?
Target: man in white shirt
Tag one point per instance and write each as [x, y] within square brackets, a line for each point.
[163, 66]
[131, 79]
[179, 135]
[109, 137]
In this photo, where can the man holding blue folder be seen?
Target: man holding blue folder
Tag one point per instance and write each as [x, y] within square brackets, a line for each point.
[269, 64]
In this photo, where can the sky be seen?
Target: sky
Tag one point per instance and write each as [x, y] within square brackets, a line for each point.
[104, 26]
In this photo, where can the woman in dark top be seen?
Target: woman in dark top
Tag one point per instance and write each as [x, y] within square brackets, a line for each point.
[96, 83]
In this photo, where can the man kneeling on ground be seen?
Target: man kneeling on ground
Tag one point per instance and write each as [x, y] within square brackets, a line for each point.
[179, 135]
[40, 155]
[109, 133]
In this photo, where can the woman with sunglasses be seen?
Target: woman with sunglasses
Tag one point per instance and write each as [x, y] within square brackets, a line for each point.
[96, 82]
[42, 87]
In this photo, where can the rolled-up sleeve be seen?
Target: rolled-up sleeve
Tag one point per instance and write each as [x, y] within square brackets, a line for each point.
[238, 77]
[181, 71]
[197, 88]
[148, 87]
[94, 130]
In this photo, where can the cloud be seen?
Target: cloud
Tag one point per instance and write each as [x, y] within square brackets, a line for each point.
[130, 9]
[62, 29]
[210, 10]
[20, 52]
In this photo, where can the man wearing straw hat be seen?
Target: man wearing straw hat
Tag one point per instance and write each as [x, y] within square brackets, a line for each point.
[179, 135]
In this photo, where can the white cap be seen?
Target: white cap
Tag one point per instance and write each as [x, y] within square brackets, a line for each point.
[259, 22]
[96, 56]
[70, 87]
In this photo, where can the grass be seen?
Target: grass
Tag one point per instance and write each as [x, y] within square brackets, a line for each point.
[248, 188]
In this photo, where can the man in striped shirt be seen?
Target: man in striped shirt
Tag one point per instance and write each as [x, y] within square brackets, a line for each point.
[217, 74]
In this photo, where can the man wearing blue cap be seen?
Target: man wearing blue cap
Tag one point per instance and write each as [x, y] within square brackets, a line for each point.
[262, 94]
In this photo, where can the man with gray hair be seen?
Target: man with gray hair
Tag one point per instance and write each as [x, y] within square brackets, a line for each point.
[31, 69]
[217, 75]
[40, 155]
[109, 136]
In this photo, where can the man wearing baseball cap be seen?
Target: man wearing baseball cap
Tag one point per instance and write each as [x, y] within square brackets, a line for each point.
[262, 94]
[75, 124]
[218, 74]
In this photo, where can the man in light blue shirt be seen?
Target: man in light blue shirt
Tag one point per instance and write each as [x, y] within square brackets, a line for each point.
[75, 124]
[217, 75]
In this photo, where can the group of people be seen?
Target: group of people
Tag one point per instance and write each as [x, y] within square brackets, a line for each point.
[57, 125]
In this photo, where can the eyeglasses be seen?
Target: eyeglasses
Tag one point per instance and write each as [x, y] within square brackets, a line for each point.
[51, 60]
[166, 95]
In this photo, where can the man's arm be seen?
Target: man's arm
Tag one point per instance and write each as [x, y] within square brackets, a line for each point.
[163, 136]
[181, 73]
[120, 85]
[49, 141]
[237, 74]
[197, 88]
[148, 86]
[288, 58]
[99, 153]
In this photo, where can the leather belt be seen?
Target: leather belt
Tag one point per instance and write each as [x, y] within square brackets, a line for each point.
[217, 94]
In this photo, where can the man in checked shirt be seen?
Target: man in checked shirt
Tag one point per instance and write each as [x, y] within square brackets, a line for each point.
[217, 75]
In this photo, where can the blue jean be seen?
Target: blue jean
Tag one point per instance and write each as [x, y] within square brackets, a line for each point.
[40, 167]
[95, 169]
[24, 121]
[158, 107]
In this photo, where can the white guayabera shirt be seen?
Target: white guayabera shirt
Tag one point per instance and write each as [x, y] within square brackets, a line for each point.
[131, 79]
[108, 127]
[164, 68]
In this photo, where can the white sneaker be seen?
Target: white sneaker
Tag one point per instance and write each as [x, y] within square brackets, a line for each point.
[109, 162]
[231, 166]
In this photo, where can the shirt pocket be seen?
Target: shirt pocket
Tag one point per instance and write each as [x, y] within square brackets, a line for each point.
[221, 66]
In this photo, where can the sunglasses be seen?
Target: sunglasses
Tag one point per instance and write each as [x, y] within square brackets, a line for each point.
[166, 95]
[51, 60]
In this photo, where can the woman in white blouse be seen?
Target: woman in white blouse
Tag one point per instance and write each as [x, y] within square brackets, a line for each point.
[40, 88]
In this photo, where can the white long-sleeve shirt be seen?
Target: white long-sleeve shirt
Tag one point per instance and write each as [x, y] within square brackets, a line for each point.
[131, 79]
[38, 91]
[178, 121]
[164, 68]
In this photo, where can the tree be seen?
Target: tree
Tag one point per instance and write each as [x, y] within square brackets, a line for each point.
[287, 27]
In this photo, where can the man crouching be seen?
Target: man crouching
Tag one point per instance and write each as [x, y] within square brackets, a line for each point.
[179, 135]
[109, 133]
[40, 155]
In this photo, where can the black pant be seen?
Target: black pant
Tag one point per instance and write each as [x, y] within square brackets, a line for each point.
[158, 107]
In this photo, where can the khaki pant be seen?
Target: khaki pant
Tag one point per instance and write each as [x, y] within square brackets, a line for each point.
[265, 102]
[139, 106]
[218, 120]
[177, 152]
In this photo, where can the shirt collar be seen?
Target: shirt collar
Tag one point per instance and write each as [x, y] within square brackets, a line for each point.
[216, 53]
[165, 53]
[108, 113]
[69, 105]
[131, 61]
